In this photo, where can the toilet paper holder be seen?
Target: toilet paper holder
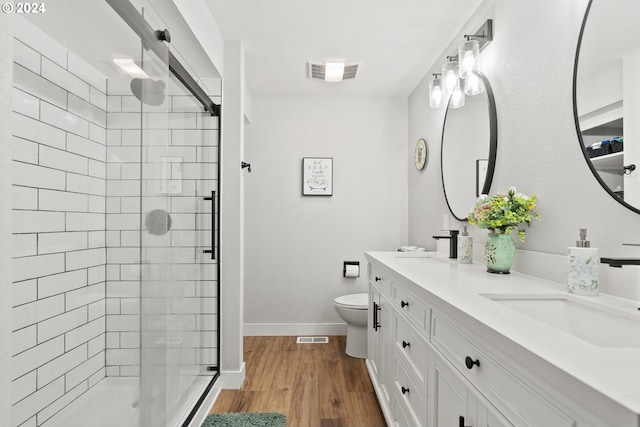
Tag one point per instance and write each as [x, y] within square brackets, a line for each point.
[351, 269]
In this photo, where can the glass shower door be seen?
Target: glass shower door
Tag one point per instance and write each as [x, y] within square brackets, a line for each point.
[178, 302]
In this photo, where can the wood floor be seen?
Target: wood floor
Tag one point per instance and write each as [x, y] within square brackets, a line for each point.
[314, 385]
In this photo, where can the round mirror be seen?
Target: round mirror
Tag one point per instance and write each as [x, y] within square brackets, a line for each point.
[468, 153]
[605, 91]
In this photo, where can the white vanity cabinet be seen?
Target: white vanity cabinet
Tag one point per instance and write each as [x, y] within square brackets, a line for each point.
[433, 366]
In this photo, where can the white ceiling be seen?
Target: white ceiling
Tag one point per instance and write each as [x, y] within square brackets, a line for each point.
[395, 41]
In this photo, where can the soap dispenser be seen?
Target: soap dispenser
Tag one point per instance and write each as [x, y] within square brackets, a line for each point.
[583, 277]
[465, 247]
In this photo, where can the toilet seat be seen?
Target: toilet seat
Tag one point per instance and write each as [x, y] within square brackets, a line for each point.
[353, 301]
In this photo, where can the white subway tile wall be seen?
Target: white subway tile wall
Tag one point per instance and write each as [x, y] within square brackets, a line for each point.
[59, 190]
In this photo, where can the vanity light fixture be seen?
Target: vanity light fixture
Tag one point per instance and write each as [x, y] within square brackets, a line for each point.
[435, 91]
[459, 73]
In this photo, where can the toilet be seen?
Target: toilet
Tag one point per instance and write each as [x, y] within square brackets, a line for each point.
[353, 309]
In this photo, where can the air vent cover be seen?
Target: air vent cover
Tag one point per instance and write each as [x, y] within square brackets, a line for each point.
[312, 340]
[316, 71]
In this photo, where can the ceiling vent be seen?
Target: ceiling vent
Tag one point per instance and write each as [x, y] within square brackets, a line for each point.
[319, 71]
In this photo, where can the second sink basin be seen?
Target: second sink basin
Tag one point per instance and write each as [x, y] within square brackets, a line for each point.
[595, 323]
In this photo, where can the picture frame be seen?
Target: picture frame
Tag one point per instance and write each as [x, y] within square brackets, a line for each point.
[481, 175]
[317, 176]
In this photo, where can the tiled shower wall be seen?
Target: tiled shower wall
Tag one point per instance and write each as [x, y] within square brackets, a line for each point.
[59, 171]
[180, 143]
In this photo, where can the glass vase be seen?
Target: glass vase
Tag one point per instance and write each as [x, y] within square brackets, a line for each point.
[499, 252]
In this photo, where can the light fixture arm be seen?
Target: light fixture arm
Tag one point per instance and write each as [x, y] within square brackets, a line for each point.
[484, 33]
[469, 36]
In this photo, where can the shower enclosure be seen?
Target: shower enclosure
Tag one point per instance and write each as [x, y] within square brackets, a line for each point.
[115, 175]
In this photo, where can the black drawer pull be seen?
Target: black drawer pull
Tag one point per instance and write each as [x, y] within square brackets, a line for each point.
[405, 390]
[404, 304]
[470, 362]
[378, 279]
[405, 344]
[461, 420]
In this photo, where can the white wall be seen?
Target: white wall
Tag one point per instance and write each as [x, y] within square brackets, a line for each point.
[232, 217]
[530, 66]
[295, 245]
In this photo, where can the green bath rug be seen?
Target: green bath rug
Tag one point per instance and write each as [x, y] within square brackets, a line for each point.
[246, 419]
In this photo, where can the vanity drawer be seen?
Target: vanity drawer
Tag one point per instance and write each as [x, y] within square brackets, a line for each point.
[380, 279]
[410, 395]
[411, 346]
[403, 416]
[493, 379]
[415, 309]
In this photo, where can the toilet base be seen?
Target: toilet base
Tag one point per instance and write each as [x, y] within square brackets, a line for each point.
[356, 341]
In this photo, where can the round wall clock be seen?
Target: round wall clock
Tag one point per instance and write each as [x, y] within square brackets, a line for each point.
[420, 154]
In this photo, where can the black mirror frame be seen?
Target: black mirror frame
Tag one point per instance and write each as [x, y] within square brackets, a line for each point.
[577, 121]
[493, 144]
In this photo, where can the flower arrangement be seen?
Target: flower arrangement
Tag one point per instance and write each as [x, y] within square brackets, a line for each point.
[502, 213]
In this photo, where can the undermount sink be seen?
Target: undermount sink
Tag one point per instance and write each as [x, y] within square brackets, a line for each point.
[590, 321]
[421, 257]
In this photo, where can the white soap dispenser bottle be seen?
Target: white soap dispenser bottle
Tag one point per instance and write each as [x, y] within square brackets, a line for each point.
[465, 247]
[584, 263]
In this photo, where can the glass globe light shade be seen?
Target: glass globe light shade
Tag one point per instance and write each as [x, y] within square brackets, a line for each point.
[435, 93]
[468, 53]
[449, 77]
[457, 97]
[473, 84]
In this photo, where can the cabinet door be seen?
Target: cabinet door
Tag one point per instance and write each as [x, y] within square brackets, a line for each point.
[385, 329]
[448, 400]
[380, 344]
[457, 403]
[487, 415]
[373, 337]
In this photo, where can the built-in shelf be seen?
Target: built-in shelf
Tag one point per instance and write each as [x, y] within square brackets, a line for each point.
[613, 161]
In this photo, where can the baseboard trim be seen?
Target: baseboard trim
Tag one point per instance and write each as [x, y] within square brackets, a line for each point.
[232, 380]
[293, 329]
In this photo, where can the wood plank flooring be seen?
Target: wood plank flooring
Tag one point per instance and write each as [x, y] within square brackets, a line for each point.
[314, 385]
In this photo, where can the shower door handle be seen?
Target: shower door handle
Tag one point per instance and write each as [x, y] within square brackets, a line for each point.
[212, 251]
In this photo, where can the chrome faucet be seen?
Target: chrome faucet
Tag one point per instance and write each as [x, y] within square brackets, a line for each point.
[453, 242]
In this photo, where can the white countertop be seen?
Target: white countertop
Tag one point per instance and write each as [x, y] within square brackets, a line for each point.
[611, 374]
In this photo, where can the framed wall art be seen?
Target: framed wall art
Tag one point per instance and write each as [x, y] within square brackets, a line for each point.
[317, 176]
